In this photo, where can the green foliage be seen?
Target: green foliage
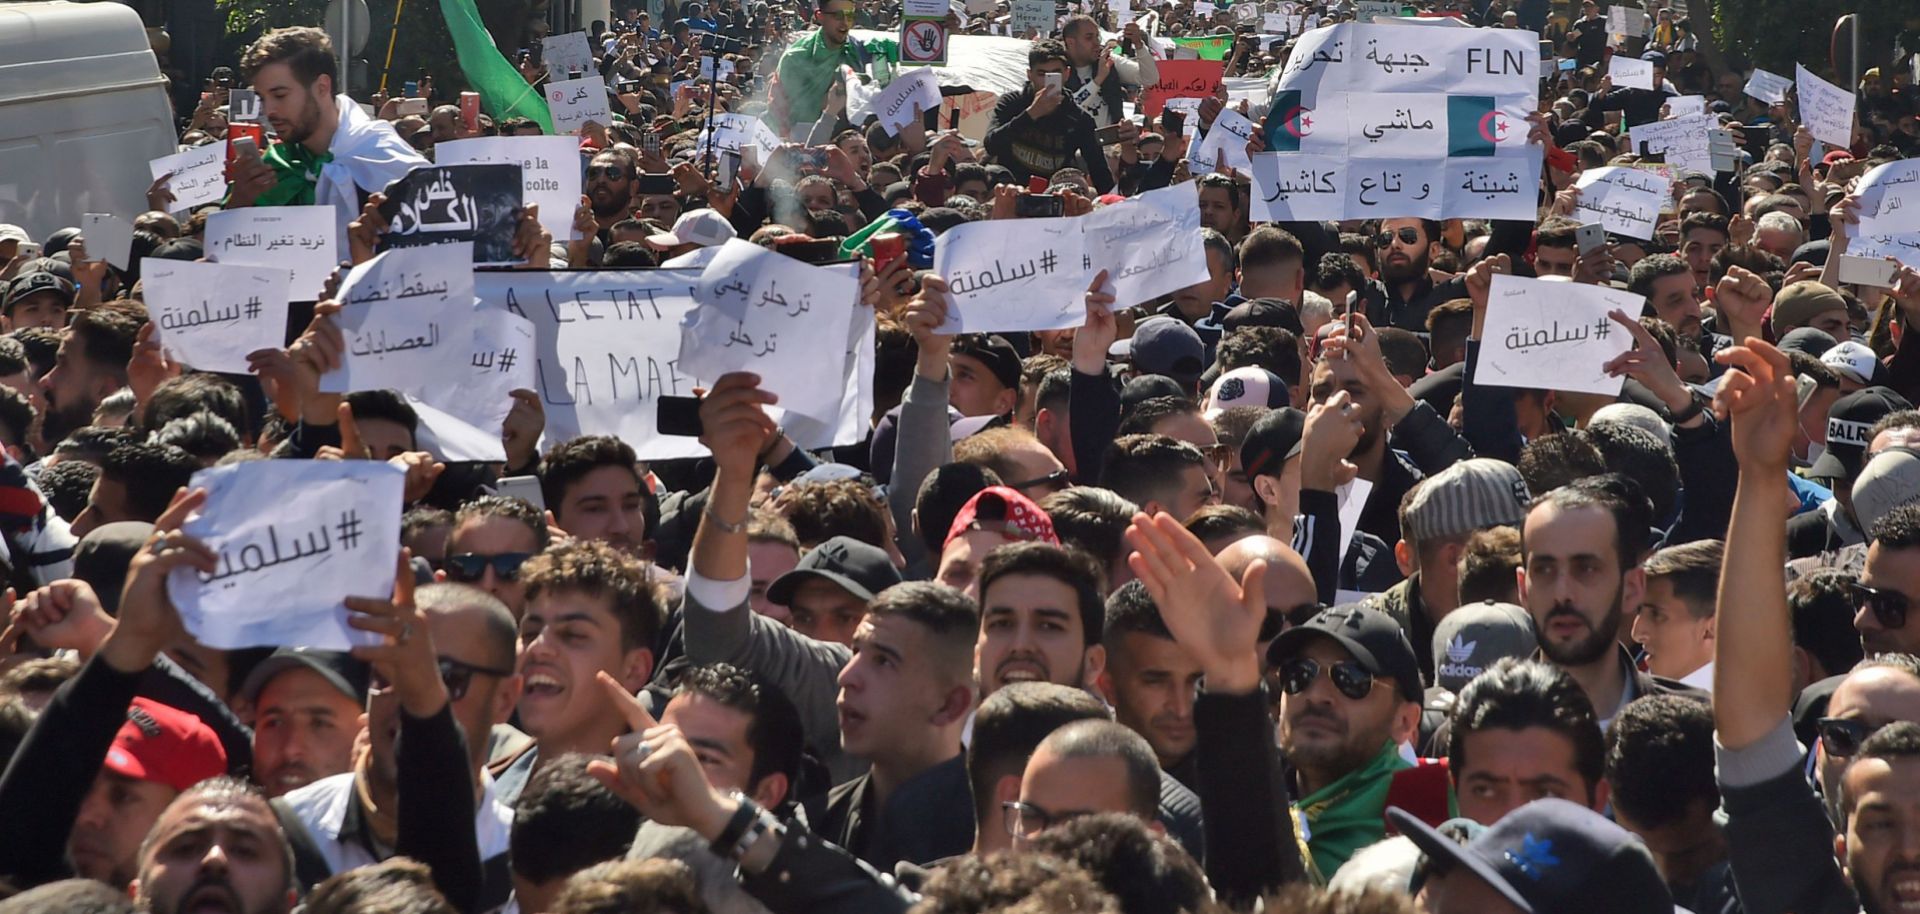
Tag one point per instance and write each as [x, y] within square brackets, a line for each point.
[1776, 34]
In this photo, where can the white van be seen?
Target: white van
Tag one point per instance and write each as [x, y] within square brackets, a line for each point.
[83, 109]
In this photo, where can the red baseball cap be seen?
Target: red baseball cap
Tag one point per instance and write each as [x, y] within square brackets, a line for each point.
[1022, 519]
[166, 745]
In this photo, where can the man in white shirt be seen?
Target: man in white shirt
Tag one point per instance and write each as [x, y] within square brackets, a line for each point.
[1095, 74]
[1676, 619]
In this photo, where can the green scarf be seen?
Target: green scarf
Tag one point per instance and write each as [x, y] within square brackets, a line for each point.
[296, 170]
[1350, 813]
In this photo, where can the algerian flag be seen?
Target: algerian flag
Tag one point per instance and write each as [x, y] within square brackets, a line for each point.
[1476, 125]
[1209, 47]
[504, 93]
[1287, 122]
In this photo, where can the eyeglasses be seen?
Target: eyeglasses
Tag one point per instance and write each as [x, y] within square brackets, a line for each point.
[1054, 481]
[1889, 606]
[1298, 673]
[610, 172]
[455, 675]
[1407, 234]
[468, 567]
[1024, 820]
[1842, 736]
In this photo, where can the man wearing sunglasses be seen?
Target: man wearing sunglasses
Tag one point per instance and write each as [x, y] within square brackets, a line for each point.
[609, 187]
[1351, 695]
[1404, 249]
[494, 535]
[813, 62]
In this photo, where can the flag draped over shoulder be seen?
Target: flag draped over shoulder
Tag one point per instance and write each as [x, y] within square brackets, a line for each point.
[504, 93]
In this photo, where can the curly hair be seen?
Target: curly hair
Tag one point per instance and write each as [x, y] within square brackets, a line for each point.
[595, 569]
[820, 511]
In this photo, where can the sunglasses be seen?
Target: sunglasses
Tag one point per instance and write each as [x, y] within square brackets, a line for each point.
[1408, 235]
[1054, 482]
[1842, 736]
[469, 567]
[1889, 606]
[1298, 673]
[610, 172]
[456, 676]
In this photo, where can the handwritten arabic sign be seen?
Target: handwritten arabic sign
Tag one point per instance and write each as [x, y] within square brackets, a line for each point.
[294, 538]
[1623, 200]
[1768, 87]
[913, 91]
[771, 314]
[1361, 57]
[1630, 73]
[405, 317]
[1150, 245]
[1825, 108]
[566, 55]
[1024, 274]
[1901, 246]
[549, 171]
[199, 175]
[1298, 188]
[108, 237]
[606, 347]
[1553, 335]
[1226, 142]
[297, 239]
[1182, 79]
[437, 204]
[733, 131]
[1889, 198]
[574, 102]
[1683, 140]
[211, 315]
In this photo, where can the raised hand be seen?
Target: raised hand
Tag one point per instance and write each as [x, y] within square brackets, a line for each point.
[148, 623]
[363, 234]
[64, 615]
[520, 432]
[1757, 396]
[1092, 340]
[1331, 432]
[1647, 363]
[1212, 616]
[734, 424]
[655, 769]
[1743, 297]
[405, 657]
[926, 313]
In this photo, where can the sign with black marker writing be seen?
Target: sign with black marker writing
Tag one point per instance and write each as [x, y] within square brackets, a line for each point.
[199, 175]
[405, 315]
[1825, 108]
[1625, 201]
[108, 237]
[549, 171]
[1551, 335]
[211, 315]
[1150, 245]
[781, 318]
[574, 102]
[1768, 87]
[567, 55]
[1022, 274]
[437, 204]
[298, 239]
[606, 348]
[294, 539]
[1889, 198]
[1298, 188]
[1629, 72]
[1683, 140]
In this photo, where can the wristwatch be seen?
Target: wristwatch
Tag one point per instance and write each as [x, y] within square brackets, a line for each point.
[1696, 404]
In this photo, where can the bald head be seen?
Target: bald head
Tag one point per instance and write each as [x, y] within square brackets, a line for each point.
[1288, 584]
[499, 634]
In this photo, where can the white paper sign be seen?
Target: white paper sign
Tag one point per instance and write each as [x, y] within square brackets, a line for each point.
[574, 102]
[1020, 274]
[606, 348]
[731, 132]
[1889, 198]
[1202, 8]
[199, 175]
[549, 165]
[1150, 245]
[1626, 22]
[1298, 188]
[783, 319]
[294, 538]
[1553, 335]
[916, 89]
[108, 237]
[298, 239]
[564, 53]
[501, 361]
[1032, 16]
[1686, 105]
[1629, 73]
[406, 317]
[212, 315]
[1274, 23]
[1623, 200]
[1226, 142]
[1901, 246]
[1683, 140]
[1825, 108]
[1365, 10]
[1768, 87]
[856, 403]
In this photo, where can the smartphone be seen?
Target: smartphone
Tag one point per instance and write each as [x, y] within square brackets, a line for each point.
[1036, 206]
[470, 111]
[1351, 331]
[410, 89]
[1107, 136]
[729, 168]
[650, 142]
[410, 105]
[654, 184]
[678, 416]
[525, 488]
[1054, 80]
[243, 142]
[27, 250]
[1865, 271]
[1589, 238]
[817, 251]
[811, 159]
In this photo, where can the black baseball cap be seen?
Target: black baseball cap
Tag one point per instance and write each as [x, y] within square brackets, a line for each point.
[1273, 438]
[35, 283]
[1811, 341]
[1849, 423]
[1371, 636]
[993, 351]
[1553, 856]
[1262, 312]
[338, 668]
[859, 568]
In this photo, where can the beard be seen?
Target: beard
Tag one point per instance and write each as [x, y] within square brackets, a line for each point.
[1880, 899]
[1343, 753]
[60, 420]
[1596, 644]
[606, 204]
[1414, 268]
[303, 125]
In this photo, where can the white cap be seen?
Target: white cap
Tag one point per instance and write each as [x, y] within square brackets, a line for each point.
[702, 227]
[1855, 361]
[9, 232]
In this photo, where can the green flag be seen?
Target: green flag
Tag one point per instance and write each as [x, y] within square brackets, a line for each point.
[1211, 47]
[504, 93]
